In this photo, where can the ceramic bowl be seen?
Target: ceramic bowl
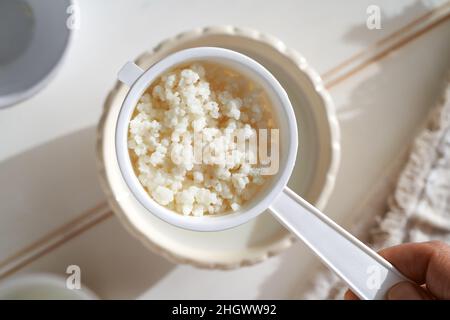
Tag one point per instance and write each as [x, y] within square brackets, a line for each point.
[313, 176]
[41, 286]
[34, 36]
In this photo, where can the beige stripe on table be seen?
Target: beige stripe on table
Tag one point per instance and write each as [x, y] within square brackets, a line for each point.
[364, 64]
[60, 230]
[28, 256]
[333, 71]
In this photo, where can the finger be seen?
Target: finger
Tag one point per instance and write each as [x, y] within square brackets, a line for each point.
[408, 291]
[424, 263]
[349, 295]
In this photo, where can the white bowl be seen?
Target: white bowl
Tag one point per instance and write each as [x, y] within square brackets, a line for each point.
[313, 177]
[41, 286]
[33, 39]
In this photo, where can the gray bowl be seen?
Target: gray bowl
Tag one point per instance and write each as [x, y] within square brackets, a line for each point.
[33, 38]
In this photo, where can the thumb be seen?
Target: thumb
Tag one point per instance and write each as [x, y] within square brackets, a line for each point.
[407, 291]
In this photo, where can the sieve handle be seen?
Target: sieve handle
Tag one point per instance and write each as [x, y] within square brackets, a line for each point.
[129, 73]
[368, 274]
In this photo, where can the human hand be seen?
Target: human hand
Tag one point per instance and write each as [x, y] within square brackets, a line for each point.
[427, 264]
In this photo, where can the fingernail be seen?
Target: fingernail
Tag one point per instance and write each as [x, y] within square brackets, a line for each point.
[405, 291]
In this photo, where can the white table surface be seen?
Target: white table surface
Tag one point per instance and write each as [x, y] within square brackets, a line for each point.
[47, 158]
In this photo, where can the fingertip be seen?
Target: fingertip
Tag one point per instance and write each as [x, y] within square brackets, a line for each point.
[349, 295]
[407, 291]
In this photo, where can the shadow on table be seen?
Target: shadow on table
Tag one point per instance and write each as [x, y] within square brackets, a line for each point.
[43, 189]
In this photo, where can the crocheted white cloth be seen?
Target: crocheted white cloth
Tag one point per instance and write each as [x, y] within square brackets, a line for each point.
[419, 207]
